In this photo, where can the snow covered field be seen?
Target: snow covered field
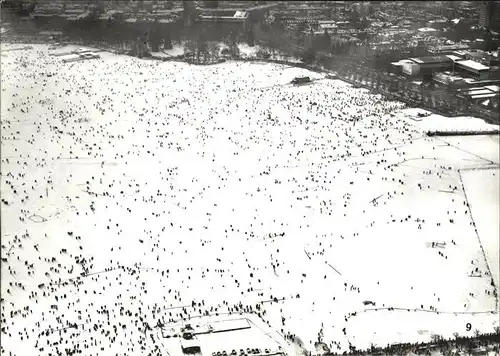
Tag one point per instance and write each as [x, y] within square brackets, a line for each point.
[434, 122]
[483, 199]
[134, 191]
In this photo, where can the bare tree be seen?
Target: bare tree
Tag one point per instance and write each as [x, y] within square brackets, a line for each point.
[326, 45]
[189, 49]
[300, 32]
[273, 44]
[154, 38]
[167, 40]
[201, 48]
[436, 338]
[213, 50]
[233, 44]
[308, 56]
[250, 37]
[169, 4]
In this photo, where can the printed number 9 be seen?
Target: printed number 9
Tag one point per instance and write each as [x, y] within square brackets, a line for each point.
[468, 326]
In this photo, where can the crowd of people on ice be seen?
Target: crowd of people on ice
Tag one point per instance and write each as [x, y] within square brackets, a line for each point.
[228, 111]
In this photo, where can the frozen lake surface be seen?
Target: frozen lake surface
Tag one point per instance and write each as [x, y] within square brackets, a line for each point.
[134, 191]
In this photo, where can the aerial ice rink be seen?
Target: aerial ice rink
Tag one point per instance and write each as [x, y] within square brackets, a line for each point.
[135, 191]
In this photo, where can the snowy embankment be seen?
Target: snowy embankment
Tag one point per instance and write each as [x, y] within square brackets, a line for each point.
[245, 52]
[454, 125]
[142, 190]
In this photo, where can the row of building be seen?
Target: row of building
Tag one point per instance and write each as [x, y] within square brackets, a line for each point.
[125, 20]
[149, 11]
[478, 65]
[473, 75]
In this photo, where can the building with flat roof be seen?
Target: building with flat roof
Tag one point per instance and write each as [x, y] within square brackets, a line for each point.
[432, 60]
[483, 58]
[474, 69]
[427, 29]
[225, 16]
[218, 23]
[461, 53]
[481, 93]
[493, 88]
[426, 66]
[454, 58]
[448, 80]
[397, 67]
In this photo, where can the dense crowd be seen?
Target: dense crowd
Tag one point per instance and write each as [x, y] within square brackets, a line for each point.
[141, 194]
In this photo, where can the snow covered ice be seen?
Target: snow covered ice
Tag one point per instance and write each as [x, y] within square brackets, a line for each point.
[135, 191]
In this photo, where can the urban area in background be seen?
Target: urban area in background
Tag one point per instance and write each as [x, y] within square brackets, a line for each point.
[442, 55]
[437, 58]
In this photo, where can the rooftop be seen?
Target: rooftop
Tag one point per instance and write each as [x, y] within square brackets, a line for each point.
[431, 60]
[454, 58]
[401, 62]
[482, 96]
[473, 65]
[328, 25]
[477, 54]
[479, 91]
[427, 29]
[448, 78]
[493, 88]
[240, 14]
[461, 52]
[224, 15]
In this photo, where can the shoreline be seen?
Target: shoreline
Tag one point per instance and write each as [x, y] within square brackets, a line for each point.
[411, 103]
